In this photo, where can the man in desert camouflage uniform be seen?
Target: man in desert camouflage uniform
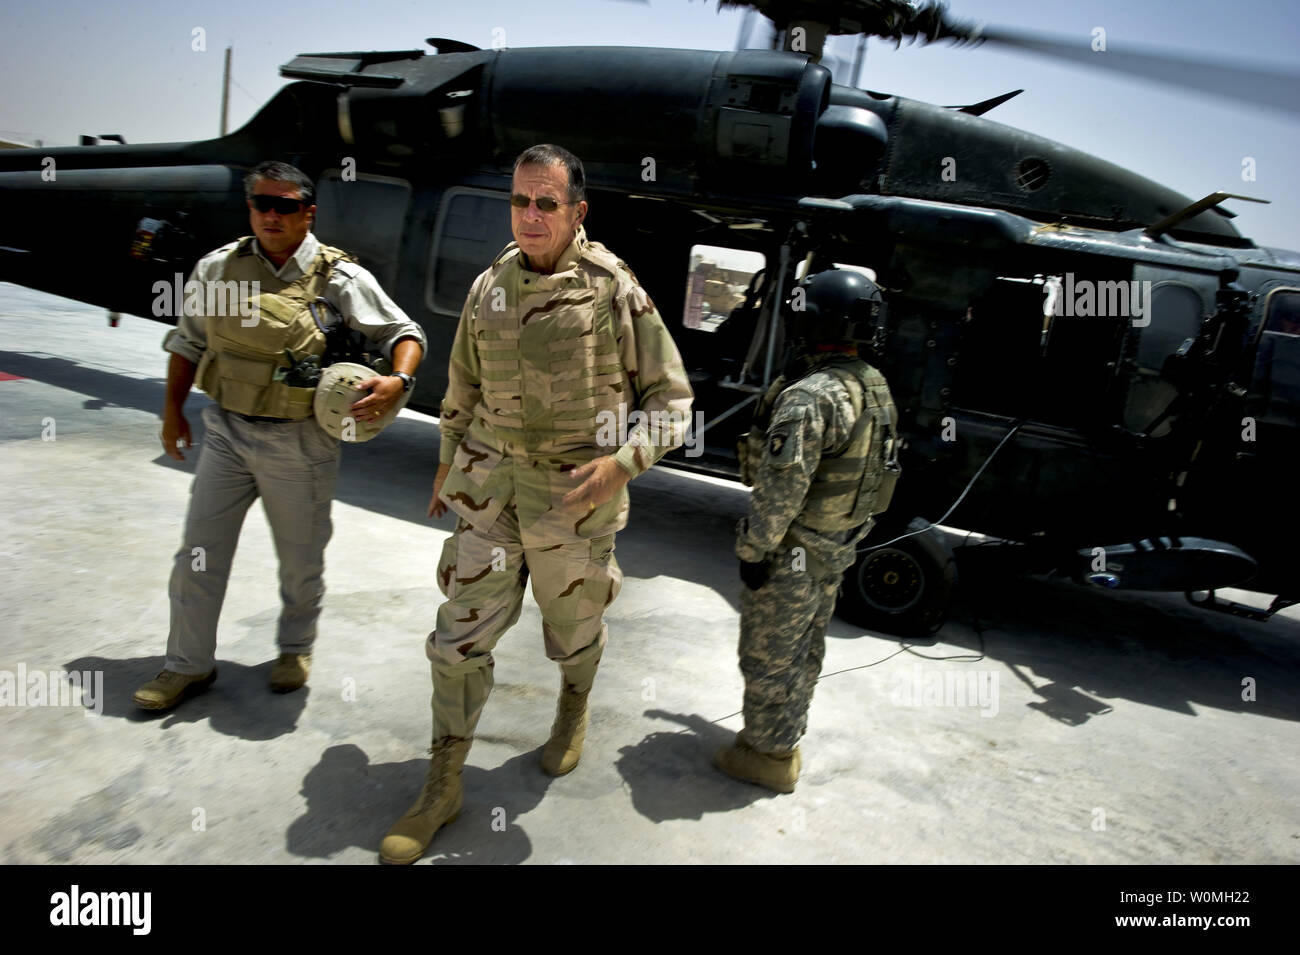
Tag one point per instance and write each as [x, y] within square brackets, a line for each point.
[558, 356]
[820, 459]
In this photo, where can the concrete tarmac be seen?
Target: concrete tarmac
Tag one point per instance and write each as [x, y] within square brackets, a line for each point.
[1105, 727]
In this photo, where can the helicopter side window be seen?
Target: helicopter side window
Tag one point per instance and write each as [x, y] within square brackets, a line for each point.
[364, 215]
[1277, 365]
[717, 283]
[473, 226]
[1176, 312]
[1284, 312]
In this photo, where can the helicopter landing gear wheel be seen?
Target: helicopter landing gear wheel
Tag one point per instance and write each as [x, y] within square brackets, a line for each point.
[903, 588]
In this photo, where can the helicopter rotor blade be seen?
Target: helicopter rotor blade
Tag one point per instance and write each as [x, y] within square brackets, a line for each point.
[1273, 89]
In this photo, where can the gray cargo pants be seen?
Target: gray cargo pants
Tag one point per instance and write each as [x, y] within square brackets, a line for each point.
[292, 466]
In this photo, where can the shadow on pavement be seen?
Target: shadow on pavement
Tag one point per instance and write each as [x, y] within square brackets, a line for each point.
[670, 774]
[240, 702]
[351, 802]
[1085, 650]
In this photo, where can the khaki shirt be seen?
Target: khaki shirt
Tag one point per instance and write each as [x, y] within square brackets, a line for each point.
[351, 289]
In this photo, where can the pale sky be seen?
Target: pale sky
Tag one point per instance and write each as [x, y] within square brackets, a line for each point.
[94, 66]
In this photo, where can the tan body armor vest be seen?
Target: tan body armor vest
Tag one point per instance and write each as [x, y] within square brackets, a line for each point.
[856, 483]
[246, 347]
[550, 362]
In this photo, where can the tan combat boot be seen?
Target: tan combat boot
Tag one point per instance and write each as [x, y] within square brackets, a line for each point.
[290, 672]
[564, 748]
[439, 804]
[778, 771]
[169, 687]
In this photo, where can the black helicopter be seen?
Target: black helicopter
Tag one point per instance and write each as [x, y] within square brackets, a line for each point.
[1091, 369]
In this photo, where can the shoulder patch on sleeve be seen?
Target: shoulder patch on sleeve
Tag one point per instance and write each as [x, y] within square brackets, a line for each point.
[784, 444]
[785, 432]
[788, 427]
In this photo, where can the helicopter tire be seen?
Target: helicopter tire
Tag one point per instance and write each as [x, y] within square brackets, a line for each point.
[904, 588]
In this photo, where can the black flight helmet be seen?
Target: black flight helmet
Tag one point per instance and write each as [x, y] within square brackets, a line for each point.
[839, 305]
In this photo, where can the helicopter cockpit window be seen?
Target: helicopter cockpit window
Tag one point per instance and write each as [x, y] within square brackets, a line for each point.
[716, 284]
[1277, 363]
[1284, 313]
[1173, 319]
[473, 226]
[364, 215]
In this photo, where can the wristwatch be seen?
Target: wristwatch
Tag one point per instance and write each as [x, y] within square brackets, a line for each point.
[408, 381]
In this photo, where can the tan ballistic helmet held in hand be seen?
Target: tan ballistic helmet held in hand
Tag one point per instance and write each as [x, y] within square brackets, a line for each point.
[335, 395]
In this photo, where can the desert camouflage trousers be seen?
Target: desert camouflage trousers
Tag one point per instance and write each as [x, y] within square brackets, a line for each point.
[782, 643]
[482, 573]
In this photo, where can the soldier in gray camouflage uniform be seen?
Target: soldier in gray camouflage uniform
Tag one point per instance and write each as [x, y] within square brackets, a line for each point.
[820, 459]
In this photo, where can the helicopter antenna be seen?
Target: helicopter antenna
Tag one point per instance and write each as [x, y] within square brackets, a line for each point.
[1197, 207]
[982, 107]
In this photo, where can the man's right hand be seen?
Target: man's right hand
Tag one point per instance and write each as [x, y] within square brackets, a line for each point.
[437, 507]
[180, 377]
[175, 429]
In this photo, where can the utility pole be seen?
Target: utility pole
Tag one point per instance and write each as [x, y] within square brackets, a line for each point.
[858, 56]
[225, 94]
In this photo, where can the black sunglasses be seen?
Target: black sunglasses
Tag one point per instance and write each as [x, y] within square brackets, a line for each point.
[281, 204]
[544, 203]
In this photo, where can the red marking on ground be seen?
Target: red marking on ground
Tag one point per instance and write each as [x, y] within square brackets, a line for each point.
[5, 376]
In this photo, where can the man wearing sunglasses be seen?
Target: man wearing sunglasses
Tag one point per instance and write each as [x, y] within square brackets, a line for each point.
[557, 342]
[261, 438]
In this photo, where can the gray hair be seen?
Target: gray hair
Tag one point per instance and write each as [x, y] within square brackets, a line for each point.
[280, 172]
[546, 154]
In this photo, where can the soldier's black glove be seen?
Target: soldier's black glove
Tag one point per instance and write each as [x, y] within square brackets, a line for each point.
[753, 574]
